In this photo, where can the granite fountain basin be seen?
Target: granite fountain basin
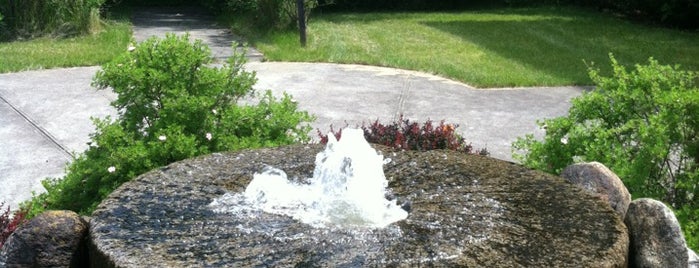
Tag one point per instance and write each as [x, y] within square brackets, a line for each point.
[465, 210]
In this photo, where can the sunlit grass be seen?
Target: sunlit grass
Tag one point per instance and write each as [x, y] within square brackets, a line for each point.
[44, 53]
[486, 48]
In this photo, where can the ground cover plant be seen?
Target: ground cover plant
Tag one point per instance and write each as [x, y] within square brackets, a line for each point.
[406, 135]
[172, 105]
[541, 46]
[643, 124]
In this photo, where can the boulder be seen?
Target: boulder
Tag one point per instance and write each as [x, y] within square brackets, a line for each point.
[693, 258]
[465, 211]
[655, 235]
[600, 180]
[51, 239]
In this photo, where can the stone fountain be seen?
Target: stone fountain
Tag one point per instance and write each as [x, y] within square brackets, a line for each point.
[464, 210]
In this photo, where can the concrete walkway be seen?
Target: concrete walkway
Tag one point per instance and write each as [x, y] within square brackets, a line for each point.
[45, 115]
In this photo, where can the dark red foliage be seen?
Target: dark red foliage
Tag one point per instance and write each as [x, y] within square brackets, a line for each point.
[406, 135]
[9, 224]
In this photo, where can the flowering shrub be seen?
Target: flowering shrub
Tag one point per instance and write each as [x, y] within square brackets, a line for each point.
[8, 224]
[172, 105]
[403, 134]
[642, 124]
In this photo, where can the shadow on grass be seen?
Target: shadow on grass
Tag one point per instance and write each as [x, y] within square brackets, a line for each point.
[562, 45]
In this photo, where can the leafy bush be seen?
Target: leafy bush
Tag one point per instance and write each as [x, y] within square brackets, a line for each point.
[643, 125]
[688, 217]
[29, 19]
[403, 134]
[157, 3]
[172, 105]
[3, 30]
[388, 5]
[676, 13]
[680, 13]
[279, 14]
[8, 224]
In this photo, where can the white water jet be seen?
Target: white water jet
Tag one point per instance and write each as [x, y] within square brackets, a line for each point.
[348, 189]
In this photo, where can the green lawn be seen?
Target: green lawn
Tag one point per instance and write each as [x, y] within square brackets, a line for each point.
[486, 48]
[44, 53]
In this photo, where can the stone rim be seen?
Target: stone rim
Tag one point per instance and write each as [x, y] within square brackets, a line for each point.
[118, 213]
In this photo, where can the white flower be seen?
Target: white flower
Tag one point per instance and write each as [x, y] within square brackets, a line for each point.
[162, 138]
[111, 169]
[131, 48]
[214, 111]
[208, 136]
[564, 140]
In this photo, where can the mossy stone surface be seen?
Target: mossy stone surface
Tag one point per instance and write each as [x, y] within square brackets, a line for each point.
[465, 211]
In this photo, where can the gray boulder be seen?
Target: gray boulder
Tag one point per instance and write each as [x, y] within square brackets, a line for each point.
[51, 239]
[655, 235]
[693, 258]
[601, 181]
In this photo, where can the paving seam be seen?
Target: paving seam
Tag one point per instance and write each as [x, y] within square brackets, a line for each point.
[44, 132]
[405, 91]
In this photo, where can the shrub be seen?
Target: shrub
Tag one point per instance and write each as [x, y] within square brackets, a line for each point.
[406, 135]
[8, 224]
[172, 105]
[679, 13]
[675, 13]
[29, 19]
[279, 14]
[688, 216]
[402, 4]
[643, 125]
[3, 30]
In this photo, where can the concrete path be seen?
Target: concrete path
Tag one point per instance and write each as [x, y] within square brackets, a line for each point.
[198, 23]
[45, 118]
[45, 115]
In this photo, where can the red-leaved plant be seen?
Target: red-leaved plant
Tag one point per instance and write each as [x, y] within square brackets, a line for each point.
[406, 135]
[9, 223]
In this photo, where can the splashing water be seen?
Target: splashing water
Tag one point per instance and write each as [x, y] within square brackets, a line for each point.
[348, 188]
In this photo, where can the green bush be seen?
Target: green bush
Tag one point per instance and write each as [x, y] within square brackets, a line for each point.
[688, 217]
[643, 125]
[172, 105]
[278, 14]
[3, 30]
[675, 13]
[29, 19]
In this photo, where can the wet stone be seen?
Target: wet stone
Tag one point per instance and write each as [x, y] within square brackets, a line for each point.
[54, 238]
[600, 180]
[465, 210]
[655, 235]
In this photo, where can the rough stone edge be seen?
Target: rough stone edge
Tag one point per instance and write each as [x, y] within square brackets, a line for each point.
[619, 248]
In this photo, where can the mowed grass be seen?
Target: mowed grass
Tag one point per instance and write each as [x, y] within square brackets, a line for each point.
[486, 48]
[45, 53]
